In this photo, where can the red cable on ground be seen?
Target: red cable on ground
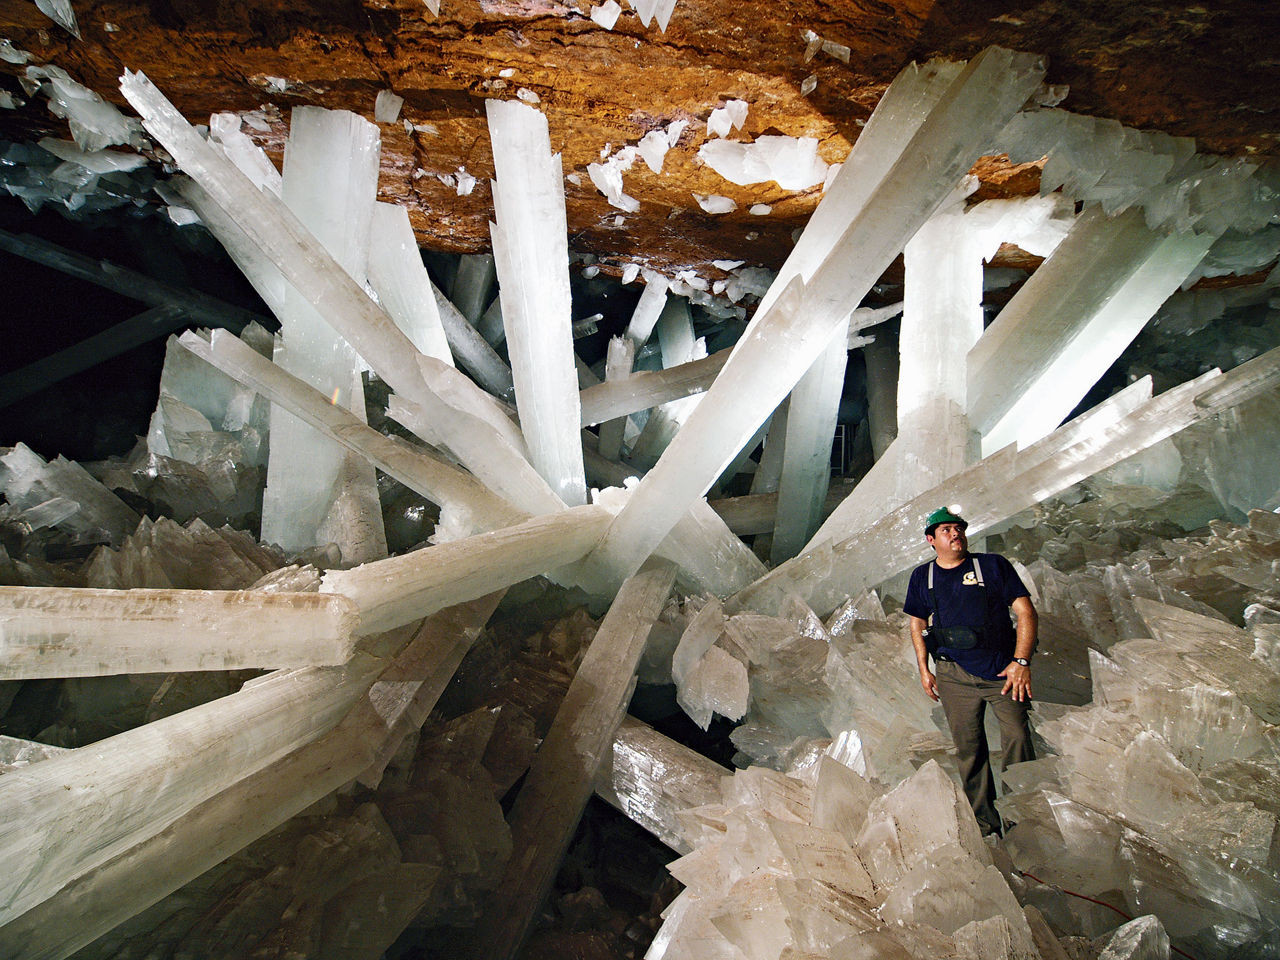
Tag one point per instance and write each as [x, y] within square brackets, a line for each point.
[1072, 893]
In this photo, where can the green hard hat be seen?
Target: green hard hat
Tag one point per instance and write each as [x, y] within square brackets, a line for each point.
[940, 516]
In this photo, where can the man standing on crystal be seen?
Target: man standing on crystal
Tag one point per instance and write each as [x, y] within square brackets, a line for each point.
[959, 608]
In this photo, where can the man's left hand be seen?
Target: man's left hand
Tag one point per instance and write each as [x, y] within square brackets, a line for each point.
[1017, 681]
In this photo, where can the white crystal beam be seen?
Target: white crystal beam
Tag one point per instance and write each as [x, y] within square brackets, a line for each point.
[1070, 321]
[1012, 480]
[304, 263]
[530, 246]
[433, 477]
[560, 780]
[400, 280]
[496, 461]
[82, 632]
[317, 492]
[74, 812]
[99, 899]
[812, 415]
[471, 350]
[806, 459]
[617, 368]
[652, 779]
[770, 359]
[649, 388]
[401, 589]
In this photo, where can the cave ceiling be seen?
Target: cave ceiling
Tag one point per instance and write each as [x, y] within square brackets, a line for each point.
[1205, 71]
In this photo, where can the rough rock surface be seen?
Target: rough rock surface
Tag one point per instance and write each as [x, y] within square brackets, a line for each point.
[1194, 70]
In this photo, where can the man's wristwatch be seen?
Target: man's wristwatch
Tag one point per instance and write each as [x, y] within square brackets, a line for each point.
[1022, 660]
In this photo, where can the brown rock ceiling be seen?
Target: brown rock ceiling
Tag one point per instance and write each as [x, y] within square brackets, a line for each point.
[1208, 71]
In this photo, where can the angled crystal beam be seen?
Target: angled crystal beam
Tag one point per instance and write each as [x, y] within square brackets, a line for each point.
[531, 251]
[400, 280]
[806, 468]
[473, 285]
[82, 632]
[652, 779]
[401, 589]
[97, 900]
[942, 319]
[679, 346]
[1070, 321]
[648, 307]
[75, 812]
[649, 388]
[806, 460]
[496, 460]
[561, 778]
[619, 359]
[317, 492]
[711, 556]
[270, 226]
[768, 360]
[88, 353]
[129, 283]
[1001, 485]
[435, 478]
[471, 350]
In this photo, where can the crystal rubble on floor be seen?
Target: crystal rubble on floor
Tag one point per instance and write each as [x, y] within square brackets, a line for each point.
[27, 481]
[92, 904]
[79, 632]
[560, 781]
[1104, 436]
[317, 491]
[759, 373]
[942, 319]
[530, 244]
[467, 506]
[1058, 353]
[277, 235]
[822, 863]
[166, 554]
[1145, 807]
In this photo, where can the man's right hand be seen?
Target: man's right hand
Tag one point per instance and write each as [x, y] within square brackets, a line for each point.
[930, 684]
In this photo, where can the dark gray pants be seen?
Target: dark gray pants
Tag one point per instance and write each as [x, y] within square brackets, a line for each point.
[964, 698]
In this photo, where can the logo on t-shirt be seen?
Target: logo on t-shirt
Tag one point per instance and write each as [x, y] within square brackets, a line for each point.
[970, 579]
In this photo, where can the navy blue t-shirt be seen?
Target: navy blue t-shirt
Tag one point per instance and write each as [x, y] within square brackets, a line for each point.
[962, 603]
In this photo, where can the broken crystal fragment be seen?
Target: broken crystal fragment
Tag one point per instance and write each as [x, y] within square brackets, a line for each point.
[386, 107]
[727, 118]
[791, 162]
[606, 14]
[714, 203]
